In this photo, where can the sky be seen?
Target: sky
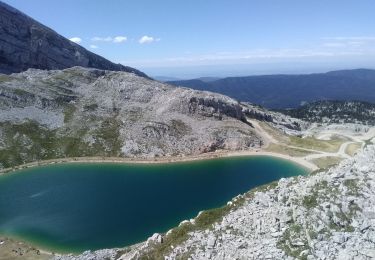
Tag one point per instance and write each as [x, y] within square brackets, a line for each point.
[194, 38]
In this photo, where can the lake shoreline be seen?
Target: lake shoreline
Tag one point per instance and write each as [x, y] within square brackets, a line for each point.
[166, 160]
[160, 160]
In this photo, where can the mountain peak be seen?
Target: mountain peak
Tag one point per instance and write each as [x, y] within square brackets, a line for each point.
[26, 43]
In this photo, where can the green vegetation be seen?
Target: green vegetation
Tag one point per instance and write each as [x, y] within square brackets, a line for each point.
[180, 234]
[285, 243]
[335, 112]
[69, 111]
[273, 132]
[91, 107]
[26, 142]
[107, 136]
[344, 223]
[341, 222]
[310, 201]
[317, 172]
[21, 92]
[29, 142]
[352, 186]
[324, 192]
[297, 142]
[133, 114]
[179, 128]
[327, 162]
[4, 78]
[316, 144]
[287, 150]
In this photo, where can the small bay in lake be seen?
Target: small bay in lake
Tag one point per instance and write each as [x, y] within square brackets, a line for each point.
[74, 207]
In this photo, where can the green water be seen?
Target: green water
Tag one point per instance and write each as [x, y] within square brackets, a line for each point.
[75, 207]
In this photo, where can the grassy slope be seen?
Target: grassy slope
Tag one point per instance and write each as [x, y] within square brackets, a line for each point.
[28, 142]
[326, 162]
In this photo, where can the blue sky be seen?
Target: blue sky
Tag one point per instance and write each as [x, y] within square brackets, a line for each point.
[217, 37]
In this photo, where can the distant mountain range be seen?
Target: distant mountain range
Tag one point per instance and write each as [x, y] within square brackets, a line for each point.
[288, 91]
[25, 43]
[167, 79]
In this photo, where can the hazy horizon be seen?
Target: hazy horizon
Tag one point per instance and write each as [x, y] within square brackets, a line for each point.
[185, 73]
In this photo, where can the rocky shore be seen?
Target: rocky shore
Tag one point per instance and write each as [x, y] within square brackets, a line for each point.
[326, 215]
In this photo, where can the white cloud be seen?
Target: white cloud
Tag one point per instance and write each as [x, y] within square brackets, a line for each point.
[335, 49]
[119, 39]
[358, 43]
[257, 56]
[102, 39]
[351, 38]
[116, 39]
[148, 39]
[334, 44]
[92, 46]
[76, 40]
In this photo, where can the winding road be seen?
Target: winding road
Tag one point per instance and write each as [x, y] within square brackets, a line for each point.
[324, 135]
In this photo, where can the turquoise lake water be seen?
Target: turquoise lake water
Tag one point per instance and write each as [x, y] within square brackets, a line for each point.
[75, 207]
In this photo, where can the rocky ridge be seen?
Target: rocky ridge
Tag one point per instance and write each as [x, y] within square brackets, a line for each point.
[285, 123]
[326, 215]
[26, 43]
[88, 112]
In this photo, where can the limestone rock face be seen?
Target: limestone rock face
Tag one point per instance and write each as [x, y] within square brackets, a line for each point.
[89, 112]
[25, 43]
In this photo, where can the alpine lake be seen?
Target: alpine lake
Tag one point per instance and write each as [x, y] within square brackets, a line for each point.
[73, 207]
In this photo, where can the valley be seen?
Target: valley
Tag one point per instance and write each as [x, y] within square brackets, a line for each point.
[291, 91]
[316, 146]
[73, 122]
[98, 160]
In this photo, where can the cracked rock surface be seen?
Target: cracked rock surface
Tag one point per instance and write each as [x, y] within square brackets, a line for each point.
[330, 215]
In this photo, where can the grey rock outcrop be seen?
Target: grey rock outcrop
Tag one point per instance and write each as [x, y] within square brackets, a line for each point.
[25, 43]
[329, 215]
[284, 123]
[90, 112]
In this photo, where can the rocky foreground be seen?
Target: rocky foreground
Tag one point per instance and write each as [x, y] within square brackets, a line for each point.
[326, 215]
